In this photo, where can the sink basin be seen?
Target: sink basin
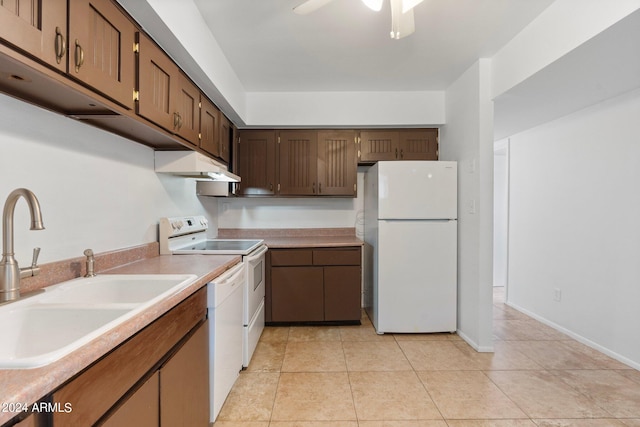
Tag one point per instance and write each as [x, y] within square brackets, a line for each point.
[45, 327]
[36, 335]
[116, 289]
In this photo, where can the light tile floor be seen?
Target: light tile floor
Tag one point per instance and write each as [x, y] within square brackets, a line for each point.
[349, 376]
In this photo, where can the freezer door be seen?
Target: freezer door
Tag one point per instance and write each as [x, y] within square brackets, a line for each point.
[417, 276]
[417, 190]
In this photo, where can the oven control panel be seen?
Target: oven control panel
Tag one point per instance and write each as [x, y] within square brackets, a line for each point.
[178, 226]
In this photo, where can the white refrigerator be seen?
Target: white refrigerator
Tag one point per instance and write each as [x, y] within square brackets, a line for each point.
[410, 265]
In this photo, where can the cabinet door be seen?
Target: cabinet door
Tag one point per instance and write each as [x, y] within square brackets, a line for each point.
[157, 76]
[186, 107]
[257, 162]
[225, 138]
[297, 294]
[184, 383]
[37, 27]
[142, 409]
[378, 145]
[101, 42]
[337, 163]
[298, 162]
[342, 293]
[209, 127]
[419, 144]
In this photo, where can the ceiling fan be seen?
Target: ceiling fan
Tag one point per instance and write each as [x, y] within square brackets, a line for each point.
[402, 22]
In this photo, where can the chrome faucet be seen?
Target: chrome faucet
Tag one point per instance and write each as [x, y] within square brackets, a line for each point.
[10, 273]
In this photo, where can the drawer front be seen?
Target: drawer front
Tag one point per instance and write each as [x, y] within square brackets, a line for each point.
[291, 257]
[338, 256]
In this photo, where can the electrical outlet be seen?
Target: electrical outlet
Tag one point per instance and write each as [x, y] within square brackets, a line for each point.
[557, 294]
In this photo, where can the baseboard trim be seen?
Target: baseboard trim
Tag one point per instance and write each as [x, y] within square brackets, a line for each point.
[577, 337]
[473, 344]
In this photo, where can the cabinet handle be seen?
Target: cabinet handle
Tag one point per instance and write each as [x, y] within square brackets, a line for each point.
[79, 56]
[319, 187]
[177, 121]
[396, 153]
[271, 187]
[402, 153]
[314, 188]
[60, 45]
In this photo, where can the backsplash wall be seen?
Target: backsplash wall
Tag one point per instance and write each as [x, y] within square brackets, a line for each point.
[304, 212]
[96, 190]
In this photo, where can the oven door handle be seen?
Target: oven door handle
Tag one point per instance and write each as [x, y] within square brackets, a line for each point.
[258, 254]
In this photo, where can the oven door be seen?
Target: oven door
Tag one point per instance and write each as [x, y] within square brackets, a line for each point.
[255, 285]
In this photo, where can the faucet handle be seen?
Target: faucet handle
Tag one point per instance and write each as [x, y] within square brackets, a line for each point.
[34, 270]
[36, 254]
[90, 263]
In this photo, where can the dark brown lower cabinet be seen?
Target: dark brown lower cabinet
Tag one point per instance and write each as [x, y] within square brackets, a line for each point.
[297, 294]
[313, 285]
[159, 377]
[184, 383]
[142, 409]
[341, 296]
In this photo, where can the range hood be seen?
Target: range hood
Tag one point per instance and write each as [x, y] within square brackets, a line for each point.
[190, 164]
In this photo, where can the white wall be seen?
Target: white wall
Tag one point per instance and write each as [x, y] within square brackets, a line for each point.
[353, 109]
[500, 212]
[264, 212]
[574, 209]
[96, 190]
[563, 26]
[468, 138]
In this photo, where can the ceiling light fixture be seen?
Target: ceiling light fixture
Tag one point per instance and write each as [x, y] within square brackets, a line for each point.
[402, 21]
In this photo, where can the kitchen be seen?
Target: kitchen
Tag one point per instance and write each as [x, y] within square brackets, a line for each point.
[106, 195]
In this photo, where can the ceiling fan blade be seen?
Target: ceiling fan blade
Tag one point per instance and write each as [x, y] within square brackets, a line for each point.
[409, 4]
[309, 6]
[402, 24]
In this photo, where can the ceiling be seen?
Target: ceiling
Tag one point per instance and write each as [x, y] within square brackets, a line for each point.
[344, 46]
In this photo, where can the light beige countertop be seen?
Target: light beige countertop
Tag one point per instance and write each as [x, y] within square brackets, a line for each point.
[296, 237]
[311, 241]
[29, 385]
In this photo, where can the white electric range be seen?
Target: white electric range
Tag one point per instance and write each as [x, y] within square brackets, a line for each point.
[188, 235]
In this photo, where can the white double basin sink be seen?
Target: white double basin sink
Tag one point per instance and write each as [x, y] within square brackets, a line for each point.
[45, 327]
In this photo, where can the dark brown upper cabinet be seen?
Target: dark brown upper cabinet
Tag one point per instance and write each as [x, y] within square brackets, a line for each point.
[209, 127]
[298, 162]
[166, 97]
[420, 144]
[317, 163]
[378, 145]
[403, 144]
[38, 28]
[256, 160]
[101, 48]
[337, 163]
[226, 136]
